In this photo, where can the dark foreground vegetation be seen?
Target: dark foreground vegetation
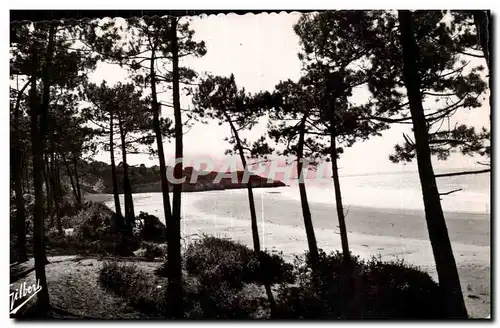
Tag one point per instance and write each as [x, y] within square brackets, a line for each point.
[223, 278]
[231, 288]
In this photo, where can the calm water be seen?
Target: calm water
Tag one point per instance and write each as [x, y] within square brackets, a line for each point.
[400, 191]
[387, 191]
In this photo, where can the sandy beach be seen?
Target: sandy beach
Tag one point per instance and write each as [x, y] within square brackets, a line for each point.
[389, 233]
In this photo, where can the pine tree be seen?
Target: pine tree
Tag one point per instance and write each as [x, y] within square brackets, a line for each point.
[219, 98]
[120, 108]
[152, 45]
[334, 54]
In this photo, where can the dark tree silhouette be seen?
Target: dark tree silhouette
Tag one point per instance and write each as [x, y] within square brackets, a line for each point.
[295, 102]
[175, 298]
[219, 98]
[438, 233]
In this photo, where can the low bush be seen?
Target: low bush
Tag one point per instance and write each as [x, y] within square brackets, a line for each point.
[152, 228]
[223, 302]
[97, 231]
[144, 292]
[148, 295]
[120, 278]
[373, 289]
[95, 222]
[153, 251]
[217, 261]
[221, 281]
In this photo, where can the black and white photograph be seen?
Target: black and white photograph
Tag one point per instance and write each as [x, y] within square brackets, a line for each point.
[273, 165]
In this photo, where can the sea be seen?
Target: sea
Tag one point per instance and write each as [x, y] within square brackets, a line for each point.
[401, 190]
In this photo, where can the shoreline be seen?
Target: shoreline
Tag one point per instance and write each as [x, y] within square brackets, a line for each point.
[467, 228]
[97, 196]
[208, 213]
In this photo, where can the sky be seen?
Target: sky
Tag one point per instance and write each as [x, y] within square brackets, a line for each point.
[261, 50]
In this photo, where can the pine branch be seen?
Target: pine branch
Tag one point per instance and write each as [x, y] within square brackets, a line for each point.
[472, 55]
[449, 192]
[461, 173]
[485, 164]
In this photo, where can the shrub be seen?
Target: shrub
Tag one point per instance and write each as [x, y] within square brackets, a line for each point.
[143, 292]
[222, 302]
[152, 228]
[397, 290]
[300, 303]
[216, 260]
[120, 278]
[153, 251]
[374, 289]
[94, 222]
[97, 230]
[128, 281]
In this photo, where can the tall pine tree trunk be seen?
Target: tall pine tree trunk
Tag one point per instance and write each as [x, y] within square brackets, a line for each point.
[46, 176]
[174, 264]
[38, 212]
[306, 212]
[37, 141]
[70, 175]
[113, 168]
[20, 209]
[56, 190]
[17, 173]
[59, 190]
[253, 220]
[50, 196]
[446, 267]
[77, 180]
[482, 20]
[127, 188]
[484, 28]
[336, 182]
[155, 106]
[350, 293]
[26, 176]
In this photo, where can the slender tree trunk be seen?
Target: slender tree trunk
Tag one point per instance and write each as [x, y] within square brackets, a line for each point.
[338, 200]
[50, 196]
[351, 307]
[60, 194]
[46, 175]
[253, 219]
[113, 168]
[73, 186]
[174, 263]
[17, 173]
[484, 28]
[127, 188]
[20, 210]
[482, 20]
[336, 183]
[306, 212]
[37, 141]
[26, 177]
[56, 190]
[446, 267]
[159, 142]
[38, 213]
[77, 180]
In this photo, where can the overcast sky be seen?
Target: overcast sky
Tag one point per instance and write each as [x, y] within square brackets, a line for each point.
[261, 50]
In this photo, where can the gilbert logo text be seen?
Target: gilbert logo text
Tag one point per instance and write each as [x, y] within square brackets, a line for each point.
[24, 292]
